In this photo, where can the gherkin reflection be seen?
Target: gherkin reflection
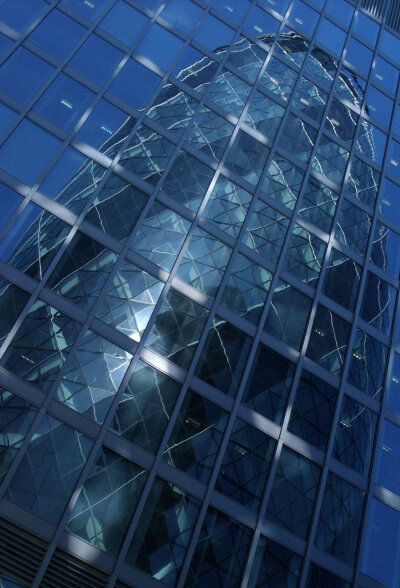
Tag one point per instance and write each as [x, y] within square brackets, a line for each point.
[185, 227]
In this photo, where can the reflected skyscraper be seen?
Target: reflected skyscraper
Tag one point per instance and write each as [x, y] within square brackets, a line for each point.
[199, 275]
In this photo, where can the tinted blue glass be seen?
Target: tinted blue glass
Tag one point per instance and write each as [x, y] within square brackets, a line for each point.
[359, 55]
[331, 37]
[390, 201]
[279, 6]
[234, 9]
[96, 59]
[385, 74]
[19, 14]
[378, 106]
[366, 28]
[182, 14]
[90, 10]
[303, 18]
[213, 33]
[394, 158]
[58, 34]
[5, 44]
[9, 202]
[341, 10]
[124, 22]
[381, 560]
[64, 102]
[66, 168]
[103, 122]
[23, 74]
[259, 22]
[7, 117]
[160, 46]
[388, 473]
[394, 385]
[390, 45]
[135, 84]
[28, 151]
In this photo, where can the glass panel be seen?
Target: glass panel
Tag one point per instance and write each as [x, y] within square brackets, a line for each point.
[155, 43]
[160, 236]
[288, 314]
[389, 201]
[384, 74]
[41, 345]
[385, 252]
[117, 207]
[298, 138]
[246, 288]
[393, 400]
[341, 121]
[129, 300]
[388, 474]
[278, 78]
[28, 151]
[135, 84]
[204, 262]
[350, 87]
[19, 14]
[355, 435]
[195, 69]
[96, 59]
[145, 407]
[82, 271]
[182, 14]
[259, 23]
[108, 498]
[292, 45]
[227, 206]
[147, 154]
[310, 99]
[92, 376]
[319, 577]
[266, 231]
[353, 227]
[16, 418]
[9, 203]
[173, 109]
[268, 384]
[367, 365]
[363, 182]
[378, 303]
[177, 328]
[187, 180]
[264, 115]
[210, 133]
[320, 65]
[371, 142]
[221, 552]
[304, 255]
[282, 181]
[12, 303]
[213, 34]
[229, 92]
[23, 75]
[303, 18]
[246, 157]
[245, 466]
[52, 464]
[378, 106]
[291, 502]
[124, 23]
[247, 58]
[358, 55]
[105, 128]
[342, 278]
[318, 204]
[91, 10]
[72, 180]
[340, 519]
[64, 102]
[381, 550]
[331, 36]
[274, 566]
[163, 532]
[223, 356]
[196, 436]
[341, 11]
[328, 340]
[330, 159]
[313, 410]
[58, 34]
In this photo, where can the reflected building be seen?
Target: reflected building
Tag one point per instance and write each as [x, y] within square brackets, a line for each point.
[199, 277]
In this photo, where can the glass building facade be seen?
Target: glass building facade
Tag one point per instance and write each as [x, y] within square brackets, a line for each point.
[199, 276]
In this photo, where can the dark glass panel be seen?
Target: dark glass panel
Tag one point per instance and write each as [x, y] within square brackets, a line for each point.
[57, 33]
[145, 407]
[313, 410]
[320, 578]
[223, 356]
[247, 157]
[318, 204]
[367, 365]
[23, 75]
[282, 181]
[353, 227]
[378, 303]
[304, 255]
[245, 465]
[342, 278]
[298, 138]
[328, 340]
[294, 490]
[340, 519]
[108, 498]
[388, 474]
[196, 437]
[274, 566]
[96, 59]
[269, 383]
[227, 206]
[266, 231]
